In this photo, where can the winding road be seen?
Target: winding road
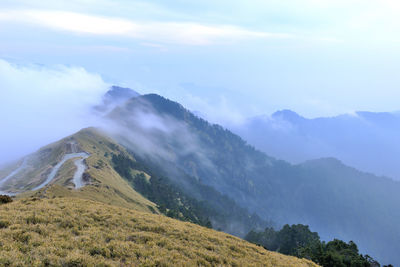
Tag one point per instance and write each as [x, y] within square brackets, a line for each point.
[77, 179]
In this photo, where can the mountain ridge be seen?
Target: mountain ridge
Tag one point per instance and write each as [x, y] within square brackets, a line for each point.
[194, 154]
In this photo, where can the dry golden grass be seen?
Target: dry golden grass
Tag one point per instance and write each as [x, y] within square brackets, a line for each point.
[106, 184]
[78, 232]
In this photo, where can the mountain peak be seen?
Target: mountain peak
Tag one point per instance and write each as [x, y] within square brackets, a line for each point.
[114, 97]
[287, 114]
[121, 93]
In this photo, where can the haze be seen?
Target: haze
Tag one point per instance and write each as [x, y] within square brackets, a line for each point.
[226, 61]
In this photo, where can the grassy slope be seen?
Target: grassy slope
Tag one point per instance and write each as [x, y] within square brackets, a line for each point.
[77, 232]
[106, 185]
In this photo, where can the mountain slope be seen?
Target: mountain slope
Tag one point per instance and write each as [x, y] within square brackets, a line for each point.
[335, 200]
[114, 176]
[77, 232]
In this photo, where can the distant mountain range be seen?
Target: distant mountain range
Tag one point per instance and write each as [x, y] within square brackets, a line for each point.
[156, 156]
[365, 140]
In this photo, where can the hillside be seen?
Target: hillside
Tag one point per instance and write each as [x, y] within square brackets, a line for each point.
[333, 199]
[103, 183]
[77, 232]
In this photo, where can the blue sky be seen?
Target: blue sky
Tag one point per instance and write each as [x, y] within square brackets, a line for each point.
[227, 59]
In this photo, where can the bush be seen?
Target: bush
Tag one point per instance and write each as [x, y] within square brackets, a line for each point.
[4, 224]
[4, 199]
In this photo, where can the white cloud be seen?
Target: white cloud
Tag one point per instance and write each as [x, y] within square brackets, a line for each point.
[80, 23]
[187, 33]
[39, 105]
[70, 21]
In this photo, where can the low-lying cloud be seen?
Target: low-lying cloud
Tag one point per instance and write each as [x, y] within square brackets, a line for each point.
[40, 104]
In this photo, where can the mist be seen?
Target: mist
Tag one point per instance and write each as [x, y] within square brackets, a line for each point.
[42, 104]
[159, 137]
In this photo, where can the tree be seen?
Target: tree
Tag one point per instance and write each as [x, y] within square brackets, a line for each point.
[298, 240]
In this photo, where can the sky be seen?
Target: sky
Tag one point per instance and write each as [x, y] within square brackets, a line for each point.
[224, 59]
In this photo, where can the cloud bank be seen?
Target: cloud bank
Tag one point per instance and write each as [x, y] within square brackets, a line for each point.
[185, 33]
[39, 105]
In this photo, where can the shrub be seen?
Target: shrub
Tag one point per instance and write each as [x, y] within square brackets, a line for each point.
[4, 199]
[4, 224]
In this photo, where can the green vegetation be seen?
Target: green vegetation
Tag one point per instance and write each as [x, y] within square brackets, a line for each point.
[298, 240]
[170, 200]
[78, 232]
